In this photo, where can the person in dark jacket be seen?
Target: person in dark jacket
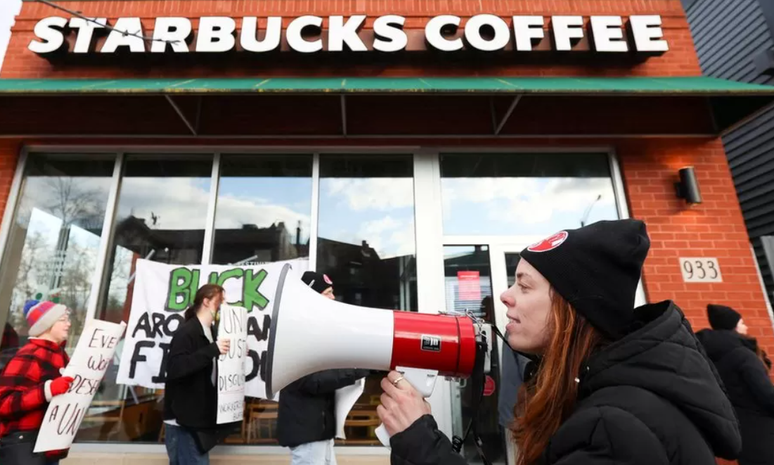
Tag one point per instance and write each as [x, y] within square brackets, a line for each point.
[30, 381]
[191, 395]
[306, 420]
[614, 384]
[742, 367]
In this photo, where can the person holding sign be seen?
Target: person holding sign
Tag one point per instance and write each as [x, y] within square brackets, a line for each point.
[307, 407]
[29, 382]
[191, 397]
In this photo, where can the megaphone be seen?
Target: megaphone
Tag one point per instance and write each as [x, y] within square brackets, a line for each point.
[310, 333]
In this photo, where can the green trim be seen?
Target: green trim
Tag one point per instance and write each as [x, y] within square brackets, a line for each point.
[360, 85]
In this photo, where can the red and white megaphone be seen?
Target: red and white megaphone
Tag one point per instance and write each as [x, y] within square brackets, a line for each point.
[310, 333]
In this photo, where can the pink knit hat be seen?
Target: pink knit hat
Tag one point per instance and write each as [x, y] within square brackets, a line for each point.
[41, 315]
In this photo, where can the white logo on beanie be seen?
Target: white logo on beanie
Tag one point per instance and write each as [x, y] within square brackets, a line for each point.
[549, 243]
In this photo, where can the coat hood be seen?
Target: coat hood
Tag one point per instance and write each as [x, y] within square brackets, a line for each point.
[719, 343]
[663, 356]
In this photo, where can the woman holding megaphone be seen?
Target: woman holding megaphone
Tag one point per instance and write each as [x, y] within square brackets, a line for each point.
[611, 383]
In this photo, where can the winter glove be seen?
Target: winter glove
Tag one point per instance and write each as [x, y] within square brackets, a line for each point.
[60, 385]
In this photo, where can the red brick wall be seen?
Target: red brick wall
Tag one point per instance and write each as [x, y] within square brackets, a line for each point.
[681, 60]
[713, 229]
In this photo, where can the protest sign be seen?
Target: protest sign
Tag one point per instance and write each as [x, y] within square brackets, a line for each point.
[87, 367]
[231, 366]
[162, 293]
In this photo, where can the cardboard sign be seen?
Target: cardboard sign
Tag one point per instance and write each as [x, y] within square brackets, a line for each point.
[87, 367]
[231, 366]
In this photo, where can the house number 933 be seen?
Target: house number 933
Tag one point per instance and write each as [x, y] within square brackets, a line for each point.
[700, 270]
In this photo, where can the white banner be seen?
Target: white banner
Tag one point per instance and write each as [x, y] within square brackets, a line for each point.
[87, 367]
[163, 292]
[231, 366]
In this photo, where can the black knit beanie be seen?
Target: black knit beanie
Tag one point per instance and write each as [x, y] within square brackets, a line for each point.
[317, 281]
[596, 269]
[722, 317]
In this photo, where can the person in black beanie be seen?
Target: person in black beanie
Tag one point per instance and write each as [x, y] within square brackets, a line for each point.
[744, 368]
[306, 419]
[612, 383]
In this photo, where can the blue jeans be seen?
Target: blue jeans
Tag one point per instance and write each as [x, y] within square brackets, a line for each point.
[313, 453]
[182, 449]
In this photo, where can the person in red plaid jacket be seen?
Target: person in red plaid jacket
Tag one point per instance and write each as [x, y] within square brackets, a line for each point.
[29, 382]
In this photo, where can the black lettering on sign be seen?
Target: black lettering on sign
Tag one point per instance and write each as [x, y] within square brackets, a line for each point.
[253, 355]
[158, 324]
[258, 332]
[162, 376]
[98, 364]
[71, 419]
[138, 357]
[54, 413]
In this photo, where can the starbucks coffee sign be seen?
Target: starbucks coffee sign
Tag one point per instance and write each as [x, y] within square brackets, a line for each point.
[487, 33]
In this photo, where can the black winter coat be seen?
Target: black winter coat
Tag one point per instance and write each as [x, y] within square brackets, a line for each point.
[190, 397]
[749, 388]
[307, 407]
[651, 398]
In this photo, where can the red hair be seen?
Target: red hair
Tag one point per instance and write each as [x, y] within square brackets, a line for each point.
[547, 400]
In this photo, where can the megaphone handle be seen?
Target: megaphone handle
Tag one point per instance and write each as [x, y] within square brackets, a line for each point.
[423, 381]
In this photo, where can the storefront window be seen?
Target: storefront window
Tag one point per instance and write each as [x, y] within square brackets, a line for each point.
[513, 194]
[366, 245]
[263, 215]
[54, 241]
[161, 216]
[264, 209]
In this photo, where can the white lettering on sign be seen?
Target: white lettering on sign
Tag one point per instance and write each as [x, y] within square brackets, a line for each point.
[434, 32]
[85, 32]
[445, 33]
[216, 35]
[700, 270]
[389, 35]
[502, 33]
[342, 32]
[173, 30]
[118, 39]
[270, 41]
[295, 34]
[49, 31]
[528, 31]
[568, 30]
[648, 36]
[607, 34]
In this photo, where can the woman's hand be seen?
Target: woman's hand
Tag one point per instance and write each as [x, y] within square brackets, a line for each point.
[224, 345]
[402, 405]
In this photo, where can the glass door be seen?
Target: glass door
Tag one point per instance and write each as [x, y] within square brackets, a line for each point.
[475, 276]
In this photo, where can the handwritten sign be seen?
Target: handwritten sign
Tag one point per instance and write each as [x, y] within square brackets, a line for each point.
[162, 293]
[87, 367]
[700, 270]
[231, 366]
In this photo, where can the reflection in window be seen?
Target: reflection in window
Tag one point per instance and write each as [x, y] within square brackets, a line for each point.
[524, 194]
[264, 209]
[161, 216]
[263, 215]
[468, 283]
[366, 245]
[53, 243]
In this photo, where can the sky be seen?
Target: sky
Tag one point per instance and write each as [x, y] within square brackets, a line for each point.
[8, 9]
